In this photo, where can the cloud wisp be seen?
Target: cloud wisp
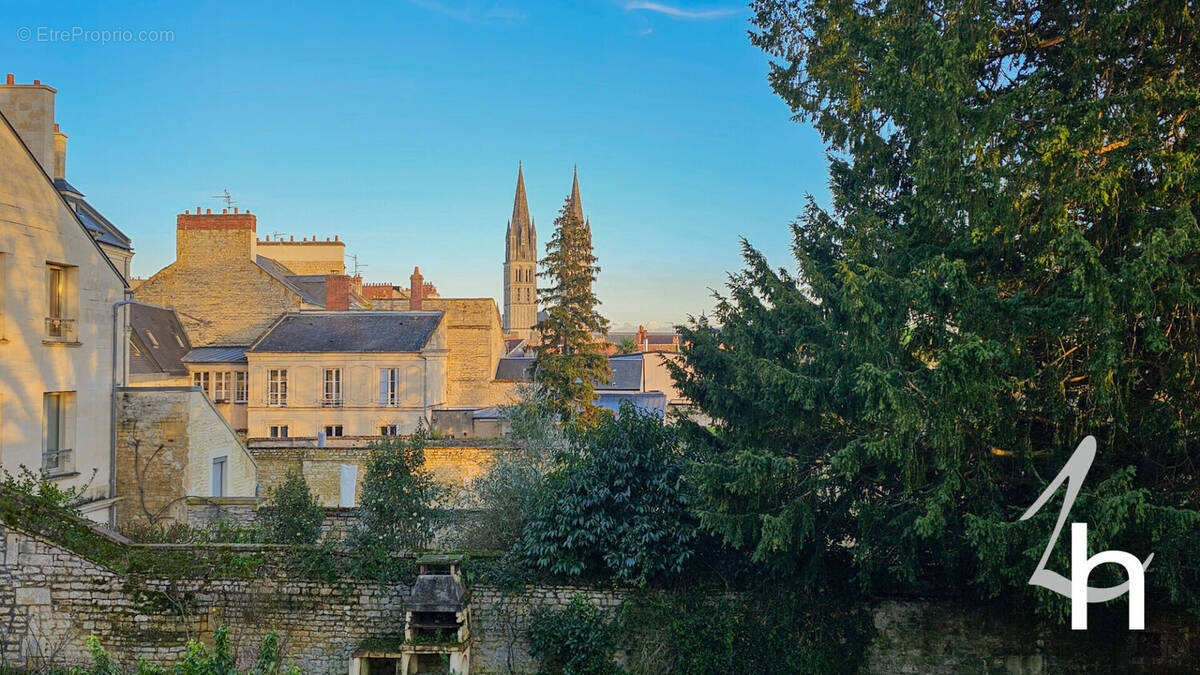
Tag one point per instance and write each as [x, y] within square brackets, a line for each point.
[680, 12]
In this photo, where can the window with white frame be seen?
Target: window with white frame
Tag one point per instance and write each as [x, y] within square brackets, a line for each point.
[221, 386]
[58, 432]
[240, 388]
[389, 386]
[218, 476]
[332, 391]
[201, 379]
[277, 386]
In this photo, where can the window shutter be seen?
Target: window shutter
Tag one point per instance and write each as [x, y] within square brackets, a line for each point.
[383, 385]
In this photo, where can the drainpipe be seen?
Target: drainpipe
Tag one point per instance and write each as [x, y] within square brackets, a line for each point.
[112, 408]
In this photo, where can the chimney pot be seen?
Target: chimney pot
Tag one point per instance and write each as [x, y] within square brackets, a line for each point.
[292, 238]
[56, 127]
[224, 210]
[11, 79]
[335, 237]
[208, 212]
[235, 209]
[37, 81]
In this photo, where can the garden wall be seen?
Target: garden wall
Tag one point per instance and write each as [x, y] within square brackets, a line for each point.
[52, 599]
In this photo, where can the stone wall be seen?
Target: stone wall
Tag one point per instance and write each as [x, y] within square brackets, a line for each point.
[52, 599]
[222, 295]
[476, 344]
[167, 438]
[453, 464]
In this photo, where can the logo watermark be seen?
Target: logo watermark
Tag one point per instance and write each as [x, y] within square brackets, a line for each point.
[1076, 588]
[100, 36]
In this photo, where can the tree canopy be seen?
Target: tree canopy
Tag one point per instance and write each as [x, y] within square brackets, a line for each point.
[1009, 263]
[570, 359]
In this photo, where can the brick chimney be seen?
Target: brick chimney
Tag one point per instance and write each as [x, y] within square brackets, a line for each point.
[212, 239]
[643, 339]
[416, 289]
[337, 292]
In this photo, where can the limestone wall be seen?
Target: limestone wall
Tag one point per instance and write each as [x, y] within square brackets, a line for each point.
[52, 599]
[222, 296]
[76, 359]
[476, 344]
[452, 464]
[167, 438]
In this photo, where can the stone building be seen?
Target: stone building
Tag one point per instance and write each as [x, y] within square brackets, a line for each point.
[62, 339]
[172, 445]
[225, 293]
[30, 109]
[520, 266]
[353, 373]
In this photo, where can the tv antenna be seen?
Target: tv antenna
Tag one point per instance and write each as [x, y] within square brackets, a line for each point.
[357, 266]
[229, 200]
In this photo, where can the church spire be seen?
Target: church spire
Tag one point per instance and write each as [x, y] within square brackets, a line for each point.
[576, 203]
[520, 215]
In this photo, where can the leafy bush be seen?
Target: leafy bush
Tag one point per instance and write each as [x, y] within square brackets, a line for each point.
[575, 640]
[292, 514]
[399, 495]
[614, 505]
[507, 492]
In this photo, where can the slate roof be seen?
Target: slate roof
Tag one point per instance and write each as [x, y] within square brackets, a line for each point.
[627, 372]
[285, 276]
[647, 401]
[158, 339]
[353, 331]
[100, 228]
[515, 369]
[627, 375]
[216, 355]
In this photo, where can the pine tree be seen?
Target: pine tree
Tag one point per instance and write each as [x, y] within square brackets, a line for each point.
[570, 358]
[1009, 264]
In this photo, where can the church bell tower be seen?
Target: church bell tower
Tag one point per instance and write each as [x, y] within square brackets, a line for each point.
[520, 267]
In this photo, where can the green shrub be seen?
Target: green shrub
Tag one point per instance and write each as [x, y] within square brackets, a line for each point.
[576, 640]
[292, 514]
[399, 495]
[614, 505]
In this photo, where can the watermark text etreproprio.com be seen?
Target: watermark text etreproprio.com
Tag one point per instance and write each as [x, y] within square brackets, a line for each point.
[100, 36]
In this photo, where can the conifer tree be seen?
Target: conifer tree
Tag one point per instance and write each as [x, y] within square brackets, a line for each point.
[1008, 264]
[570, 357]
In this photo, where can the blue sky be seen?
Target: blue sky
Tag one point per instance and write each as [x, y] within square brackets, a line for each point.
[399, 127]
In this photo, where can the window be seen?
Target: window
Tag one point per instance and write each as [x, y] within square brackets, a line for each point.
[221, 387]
[218, 477]
[57, 292]
[239, 388]
[279, 431]
[333, 431]
[277, 387]
[59, 324]
[200, 379]
[389, 386]
[389, 430]
[58, 432]
[332, 397]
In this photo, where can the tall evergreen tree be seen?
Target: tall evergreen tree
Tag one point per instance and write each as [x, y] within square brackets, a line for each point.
[570, 358]
[1008, 265]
